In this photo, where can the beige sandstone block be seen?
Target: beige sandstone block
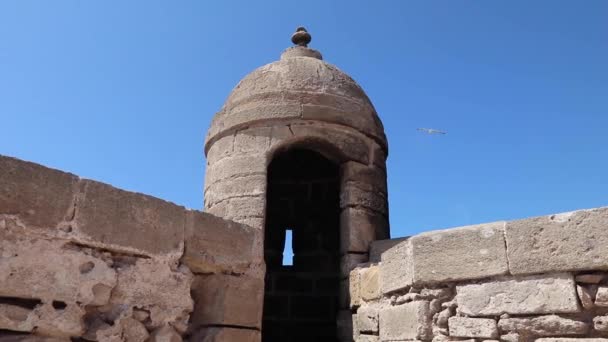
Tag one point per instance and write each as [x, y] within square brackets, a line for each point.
[215, 245]
[472, 327]
[396, 268]
[154, 286]
[50, 270]
[471, 252]
[227, 300]
[225, 334]
[380, 246]
[359, 228]
[234, 166]
[368, 338]
[129, 222]
[551, 325]
[372, 177]
[252, 185]
[553, 293]
[367, 319]
[601, 298]
[563, 242]
[252, 140]
[165, 334]
[40, 197]
[600, 323]
[411, 321]
[370, 283]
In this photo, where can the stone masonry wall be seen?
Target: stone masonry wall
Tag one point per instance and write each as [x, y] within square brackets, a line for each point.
[83, 261]
[541, 279]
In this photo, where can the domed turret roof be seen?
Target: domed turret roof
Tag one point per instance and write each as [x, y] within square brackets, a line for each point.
[298, 86]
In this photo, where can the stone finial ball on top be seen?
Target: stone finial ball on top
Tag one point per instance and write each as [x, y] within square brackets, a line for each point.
[301, 37]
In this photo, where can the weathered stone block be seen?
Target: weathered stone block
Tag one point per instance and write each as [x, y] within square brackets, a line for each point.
[227, 300]
[372, 177]
[472, 327]
[601, 298]
[600, 323]
[356, 195]
[128, 222]
[396, 269]
[153, 285]
[234, 166]
[40, 197]
[221, 148]
[359, 228]
[353, 146]
[370, 283]
[253, 185]
[215, 245]
[35, 268]
[586, 295]
[252, 140]
[225, 334]
[411, 321]
[367, 319]
[563, 242]
[380, 246]
[32, 338]
[551, 325]
[367, 338]
[554, 293]
[471, 252]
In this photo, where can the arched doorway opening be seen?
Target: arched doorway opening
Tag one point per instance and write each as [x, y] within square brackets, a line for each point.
[301, 295]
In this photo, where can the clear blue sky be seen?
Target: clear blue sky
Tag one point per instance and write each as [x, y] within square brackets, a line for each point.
[124, 91]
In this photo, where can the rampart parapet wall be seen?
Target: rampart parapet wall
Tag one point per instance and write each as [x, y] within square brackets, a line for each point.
[539, 279]
[83, 260]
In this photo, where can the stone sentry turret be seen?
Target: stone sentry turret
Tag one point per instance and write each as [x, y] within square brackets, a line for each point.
[299, 147]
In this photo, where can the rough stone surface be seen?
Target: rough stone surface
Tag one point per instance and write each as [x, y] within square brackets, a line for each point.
[226, 334]
[72, 276]
[349, 262]
[396, 271]
[555, 293]
[316, 87]
[367, 319]
[585, 295]
[359, 228]
[165, 334]
[227, 300]
[563, 242]
[367, 338]
[600, 323]
[138, 224]
[601, 298]
[153, 286]
[459, 254]
[370, 283]
[207, 249]
[409, 321]
[551, 325]
[41, 197]
[590, 278]
[380, 246]
[472, 327]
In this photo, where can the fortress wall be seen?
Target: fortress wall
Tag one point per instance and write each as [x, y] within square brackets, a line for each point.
[79, 258]
[538, 279]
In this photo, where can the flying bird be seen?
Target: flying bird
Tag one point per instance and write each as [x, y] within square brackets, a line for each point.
[431, 131]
